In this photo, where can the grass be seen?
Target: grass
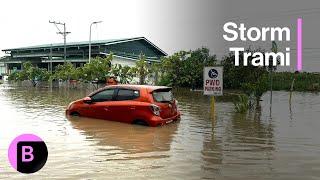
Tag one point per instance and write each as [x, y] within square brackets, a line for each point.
[303, 81]
[241, 104]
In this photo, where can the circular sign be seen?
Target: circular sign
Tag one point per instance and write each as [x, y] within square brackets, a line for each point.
[213, 73]
[27, 153]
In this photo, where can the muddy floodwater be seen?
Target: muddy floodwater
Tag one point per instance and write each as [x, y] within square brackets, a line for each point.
[285, 145]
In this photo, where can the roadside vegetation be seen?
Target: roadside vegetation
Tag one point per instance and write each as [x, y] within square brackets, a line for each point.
[182, 69]
[29, 72]
[185, 68]
[241, 104]
[96, 71]
[303, 81]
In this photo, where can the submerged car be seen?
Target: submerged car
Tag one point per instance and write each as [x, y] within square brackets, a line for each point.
[136, 104]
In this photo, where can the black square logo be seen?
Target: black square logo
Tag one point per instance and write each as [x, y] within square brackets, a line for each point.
[31, 156]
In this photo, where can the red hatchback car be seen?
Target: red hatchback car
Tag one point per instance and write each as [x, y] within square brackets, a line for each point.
[136, 104]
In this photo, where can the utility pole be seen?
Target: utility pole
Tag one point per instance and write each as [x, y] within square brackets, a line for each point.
[51, 58]
[95, 22]
[274, 49]
[64, 34]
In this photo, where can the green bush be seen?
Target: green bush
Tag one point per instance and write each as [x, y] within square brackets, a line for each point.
[303, 81]
[65, 72]
[185, 68]
[31, 73]
[241, 104]
[98, 69]
[124, 73]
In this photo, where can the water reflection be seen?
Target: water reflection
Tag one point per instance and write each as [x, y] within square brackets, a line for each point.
[129, 138]
[250, 134]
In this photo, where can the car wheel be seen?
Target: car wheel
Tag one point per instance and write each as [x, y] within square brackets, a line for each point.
[140, 122]
[74, 114]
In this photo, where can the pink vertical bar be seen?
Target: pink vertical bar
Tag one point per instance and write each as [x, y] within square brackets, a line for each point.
[299, 44]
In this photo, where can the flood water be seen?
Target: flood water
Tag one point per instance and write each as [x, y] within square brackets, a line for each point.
[285, 145]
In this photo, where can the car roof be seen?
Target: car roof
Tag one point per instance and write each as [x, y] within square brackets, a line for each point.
[134, 86]
[150, 88]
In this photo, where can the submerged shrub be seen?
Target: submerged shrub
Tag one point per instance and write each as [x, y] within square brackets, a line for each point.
[241, 103]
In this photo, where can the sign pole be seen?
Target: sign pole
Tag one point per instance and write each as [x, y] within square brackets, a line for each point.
[212, 110]
[213, 86]
[212, 105]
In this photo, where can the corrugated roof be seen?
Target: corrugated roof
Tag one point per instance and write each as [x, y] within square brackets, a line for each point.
[85, 43]
[75, 43]
[108, 41]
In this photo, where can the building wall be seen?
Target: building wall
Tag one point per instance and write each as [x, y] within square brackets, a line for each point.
[131, 63]
[123, 61]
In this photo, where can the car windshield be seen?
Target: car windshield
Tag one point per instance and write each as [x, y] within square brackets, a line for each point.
[162, 95]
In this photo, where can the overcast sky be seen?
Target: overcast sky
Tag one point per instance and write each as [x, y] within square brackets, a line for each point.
[172, 25]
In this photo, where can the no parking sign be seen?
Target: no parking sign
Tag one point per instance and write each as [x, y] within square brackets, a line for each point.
[213, 81]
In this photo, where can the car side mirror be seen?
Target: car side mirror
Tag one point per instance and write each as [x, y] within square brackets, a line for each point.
[87, 100]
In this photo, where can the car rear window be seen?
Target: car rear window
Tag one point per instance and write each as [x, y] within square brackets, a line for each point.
[127, 94]
[163, 95]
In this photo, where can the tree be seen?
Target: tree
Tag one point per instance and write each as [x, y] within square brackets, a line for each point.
[31, 73]
[156, 70]
[194, 65]
[66, 71]
[142, 69]
[251, 79]
[98, 69]
[124, 73]
[185, 68]
[170, 69]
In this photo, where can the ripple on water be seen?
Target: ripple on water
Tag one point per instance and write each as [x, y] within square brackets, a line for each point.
[230, 145]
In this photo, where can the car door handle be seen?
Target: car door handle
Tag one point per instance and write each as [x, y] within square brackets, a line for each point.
[106, 108]
[132, 107]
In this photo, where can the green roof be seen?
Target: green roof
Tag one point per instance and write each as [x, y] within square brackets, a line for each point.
[62, 44]
[85, 43]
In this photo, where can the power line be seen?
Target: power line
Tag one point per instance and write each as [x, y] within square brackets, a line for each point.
[64, 34]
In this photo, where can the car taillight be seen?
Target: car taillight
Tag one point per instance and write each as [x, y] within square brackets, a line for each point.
[155, 109]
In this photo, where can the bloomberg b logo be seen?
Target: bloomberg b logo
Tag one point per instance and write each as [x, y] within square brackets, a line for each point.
[28, 153]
